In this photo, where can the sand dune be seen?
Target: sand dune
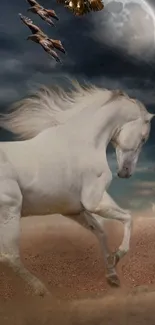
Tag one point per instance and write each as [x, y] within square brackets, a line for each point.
[68, 259]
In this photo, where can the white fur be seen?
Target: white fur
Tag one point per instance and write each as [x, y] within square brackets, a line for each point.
[63, 168]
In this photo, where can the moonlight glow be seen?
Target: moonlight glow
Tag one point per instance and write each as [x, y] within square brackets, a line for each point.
[128, 25]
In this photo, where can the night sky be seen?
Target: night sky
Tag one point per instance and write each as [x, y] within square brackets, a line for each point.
[24, 64]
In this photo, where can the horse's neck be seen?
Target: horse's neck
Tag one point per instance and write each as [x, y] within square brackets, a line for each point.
[80, 104]
[97, 125]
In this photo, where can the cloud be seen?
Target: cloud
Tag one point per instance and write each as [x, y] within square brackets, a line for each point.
[147, 185]
[143, 192]
[8, 93]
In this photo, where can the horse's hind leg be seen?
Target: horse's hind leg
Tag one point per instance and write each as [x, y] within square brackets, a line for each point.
[10, 208]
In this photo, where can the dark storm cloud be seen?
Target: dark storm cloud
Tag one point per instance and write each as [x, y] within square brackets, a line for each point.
[86, 58]
[24, 63]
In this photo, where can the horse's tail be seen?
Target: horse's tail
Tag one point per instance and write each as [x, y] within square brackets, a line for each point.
[32, 115]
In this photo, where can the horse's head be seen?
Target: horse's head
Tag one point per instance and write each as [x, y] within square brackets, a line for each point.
[128, 143]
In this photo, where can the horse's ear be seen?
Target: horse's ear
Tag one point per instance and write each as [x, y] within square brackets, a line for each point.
[149, 117]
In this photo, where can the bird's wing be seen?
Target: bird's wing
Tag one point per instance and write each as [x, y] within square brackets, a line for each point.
[45, 43]
[57, 44]
[27, 21]
[54, 55]
[32, 2]
[50, 12]
[96, 5]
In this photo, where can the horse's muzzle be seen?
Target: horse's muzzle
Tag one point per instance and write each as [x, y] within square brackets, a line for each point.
[124, 173]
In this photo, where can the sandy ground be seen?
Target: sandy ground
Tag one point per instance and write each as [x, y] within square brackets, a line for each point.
[68, 259]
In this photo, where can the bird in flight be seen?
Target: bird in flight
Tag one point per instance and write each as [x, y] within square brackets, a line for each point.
[82, 7]
[38, 36]
[45, 14]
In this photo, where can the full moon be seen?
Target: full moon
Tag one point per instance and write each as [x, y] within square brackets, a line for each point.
[128, 25]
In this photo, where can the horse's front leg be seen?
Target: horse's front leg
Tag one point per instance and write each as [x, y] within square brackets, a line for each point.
[95, 200]
[107, 208]
[96, 228]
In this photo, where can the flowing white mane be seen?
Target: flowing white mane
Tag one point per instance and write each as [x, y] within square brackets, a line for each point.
[53, 106]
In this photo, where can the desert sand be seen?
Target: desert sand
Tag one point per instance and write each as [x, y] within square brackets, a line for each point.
[68, 259]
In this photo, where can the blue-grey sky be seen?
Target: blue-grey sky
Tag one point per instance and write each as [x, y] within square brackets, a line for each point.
[90, 56]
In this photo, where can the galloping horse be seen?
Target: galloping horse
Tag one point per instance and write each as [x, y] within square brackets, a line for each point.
[60, 166]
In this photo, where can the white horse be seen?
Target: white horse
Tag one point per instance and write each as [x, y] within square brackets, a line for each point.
[61, 166]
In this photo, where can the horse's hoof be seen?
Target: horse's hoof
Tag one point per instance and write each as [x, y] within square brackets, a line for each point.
[39, 289]
[113, 280]
[42, 292]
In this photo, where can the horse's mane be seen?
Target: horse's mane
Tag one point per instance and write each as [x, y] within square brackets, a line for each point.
[49, 107]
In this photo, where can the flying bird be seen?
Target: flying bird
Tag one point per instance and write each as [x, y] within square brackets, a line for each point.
[82, 7]
[44, 14]
[36, 30]
[38, 36]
